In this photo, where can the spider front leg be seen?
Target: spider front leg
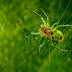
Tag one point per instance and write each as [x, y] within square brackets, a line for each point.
[62, 26]
[38, 15]
[54, 24]
[48, 22]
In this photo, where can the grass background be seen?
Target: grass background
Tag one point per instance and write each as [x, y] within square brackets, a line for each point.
[19, 53]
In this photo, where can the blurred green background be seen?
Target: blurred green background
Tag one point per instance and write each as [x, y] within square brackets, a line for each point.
[20, 53]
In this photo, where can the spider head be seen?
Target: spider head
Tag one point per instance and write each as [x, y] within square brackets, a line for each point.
[45, 30]
[58, 36]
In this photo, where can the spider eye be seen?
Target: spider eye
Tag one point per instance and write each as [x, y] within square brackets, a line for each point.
[61, 37]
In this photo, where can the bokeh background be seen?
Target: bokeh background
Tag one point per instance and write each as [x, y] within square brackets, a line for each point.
[20, 52]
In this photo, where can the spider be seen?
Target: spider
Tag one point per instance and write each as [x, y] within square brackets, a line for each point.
[46, 30]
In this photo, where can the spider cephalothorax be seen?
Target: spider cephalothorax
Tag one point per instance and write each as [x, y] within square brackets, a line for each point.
[46, 30]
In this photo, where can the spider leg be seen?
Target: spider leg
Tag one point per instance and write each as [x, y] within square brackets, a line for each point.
[38, 15]
[54, 24]
[45, 15]
[60, 49]
[38, 33]
[62, 26]
[25, 31]
[41, 45]
[20, 25]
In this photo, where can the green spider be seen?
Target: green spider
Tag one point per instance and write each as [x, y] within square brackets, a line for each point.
[46, 30]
